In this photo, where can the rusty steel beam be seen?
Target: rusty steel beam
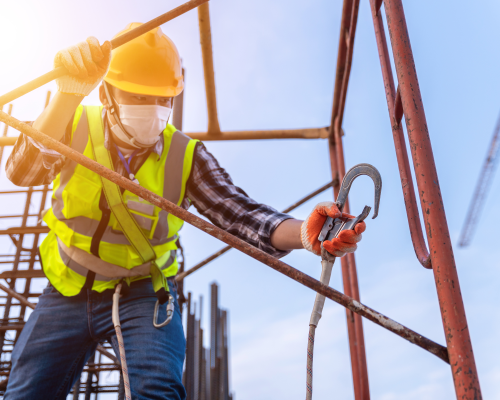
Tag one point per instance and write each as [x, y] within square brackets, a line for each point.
[8, 141]
[116, 42]
[377, 5]
[307, 133]
[37, 273]
[178, 112]
[5, 131]
[207, 260]
[25, 230]
[208, 68]
[13, 327]
[350, 31]
[201, 264]
[349, 274]
[15, 267]
[13, 261]
[20, 191]
[17, 216]
[454, 320]
[395, 108]
[230, 239]
[17, 296]
[351, 329]
[344, 60]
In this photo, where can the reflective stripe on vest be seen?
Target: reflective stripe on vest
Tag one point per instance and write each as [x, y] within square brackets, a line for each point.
[81, 270]
[75, 212]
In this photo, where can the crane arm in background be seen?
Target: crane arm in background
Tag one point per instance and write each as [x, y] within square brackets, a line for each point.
[481, 191]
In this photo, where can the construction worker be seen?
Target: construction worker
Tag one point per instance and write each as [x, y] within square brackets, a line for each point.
[92, 245]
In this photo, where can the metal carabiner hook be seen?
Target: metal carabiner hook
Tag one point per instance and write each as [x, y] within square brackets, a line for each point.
[170, 313]
[345, 187]
[332, 227]
[351, 175]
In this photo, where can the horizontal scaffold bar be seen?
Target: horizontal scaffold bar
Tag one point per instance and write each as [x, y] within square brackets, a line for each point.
[307, 133]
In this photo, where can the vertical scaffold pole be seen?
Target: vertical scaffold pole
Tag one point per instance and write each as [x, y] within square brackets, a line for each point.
[455, 326]
[349, 274]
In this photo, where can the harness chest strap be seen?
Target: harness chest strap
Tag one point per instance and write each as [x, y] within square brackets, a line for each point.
[127, 222]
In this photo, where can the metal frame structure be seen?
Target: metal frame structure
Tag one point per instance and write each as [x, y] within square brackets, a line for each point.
[19, 292]
[405, 101]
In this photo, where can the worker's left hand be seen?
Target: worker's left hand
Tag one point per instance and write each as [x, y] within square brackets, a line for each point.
[338, 247]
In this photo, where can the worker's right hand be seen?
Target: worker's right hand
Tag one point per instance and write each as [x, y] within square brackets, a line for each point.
[87, 64]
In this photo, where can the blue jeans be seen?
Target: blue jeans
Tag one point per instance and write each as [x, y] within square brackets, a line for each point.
[63, 332]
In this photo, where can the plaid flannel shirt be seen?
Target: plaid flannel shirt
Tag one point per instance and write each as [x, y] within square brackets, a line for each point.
[209, 188]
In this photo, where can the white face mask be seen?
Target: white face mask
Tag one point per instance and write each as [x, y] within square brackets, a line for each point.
[143, 124]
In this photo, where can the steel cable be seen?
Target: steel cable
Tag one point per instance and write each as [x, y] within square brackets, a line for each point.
[310, 354]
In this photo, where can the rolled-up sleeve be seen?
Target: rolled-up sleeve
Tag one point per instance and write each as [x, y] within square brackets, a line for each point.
[32, 164]
[213, 193]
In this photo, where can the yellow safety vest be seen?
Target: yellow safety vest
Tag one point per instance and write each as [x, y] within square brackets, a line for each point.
[76, 210]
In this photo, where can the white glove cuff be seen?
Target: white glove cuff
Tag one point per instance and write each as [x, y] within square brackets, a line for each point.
[71, 85]
[304, 238]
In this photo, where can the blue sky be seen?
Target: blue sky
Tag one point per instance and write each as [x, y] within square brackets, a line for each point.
[275, 65]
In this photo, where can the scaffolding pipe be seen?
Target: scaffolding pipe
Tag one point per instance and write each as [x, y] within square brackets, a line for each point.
[348, 263]
[395, 109]
[178, 112]
[208, 68]
[456, 330]
[307, 133]
[5, 131]
[259, 255]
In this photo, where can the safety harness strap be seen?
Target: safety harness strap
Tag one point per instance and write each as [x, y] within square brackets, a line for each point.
[127, 222]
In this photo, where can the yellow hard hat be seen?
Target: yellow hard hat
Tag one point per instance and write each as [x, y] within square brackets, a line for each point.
[149, 64]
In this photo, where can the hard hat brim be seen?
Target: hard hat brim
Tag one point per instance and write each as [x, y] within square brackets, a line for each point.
[160, 91]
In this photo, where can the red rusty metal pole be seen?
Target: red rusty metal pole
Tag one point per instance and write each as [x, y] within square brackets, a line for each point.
[259, 255]
[395, 113]
[460, 351]
[346, 282]
[349, 274]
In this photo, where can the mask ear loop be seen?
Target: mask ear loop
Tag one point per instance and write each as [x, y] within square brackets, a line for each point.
[112, 111]
[171, 117]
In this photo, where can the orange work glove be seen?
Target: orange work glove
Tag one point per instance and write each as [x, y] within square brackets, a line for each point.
[87, 63]
[338, 247]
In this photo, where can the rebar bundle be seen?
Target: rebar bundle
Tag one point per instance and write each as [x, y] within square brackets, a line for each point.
[206, 376]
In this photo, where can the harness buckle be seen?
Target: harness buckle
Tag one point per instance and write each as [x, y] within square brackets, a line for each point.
[170, 313]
